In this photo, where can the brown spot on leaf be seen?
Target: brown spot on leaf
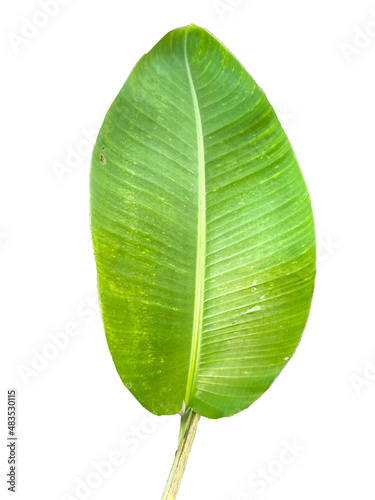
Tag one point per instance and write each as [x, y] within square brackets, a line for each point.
[101, 159]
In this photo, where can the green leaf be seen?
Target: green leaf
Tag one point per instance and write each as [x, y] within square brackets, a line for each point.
[202, 229]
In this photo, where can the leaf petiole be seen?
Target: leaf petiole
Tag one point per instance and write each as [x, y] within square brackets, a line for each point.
[189, 423]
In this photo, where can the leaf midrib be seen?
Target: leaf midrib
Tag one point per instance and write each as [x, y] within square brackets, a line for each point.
[201, 243]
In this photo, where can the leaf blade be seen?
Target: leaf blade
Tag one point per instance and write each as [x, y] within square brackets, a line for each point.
[233, 214]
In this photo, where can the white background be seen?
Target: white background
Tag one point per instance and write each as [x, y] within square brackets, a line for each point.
[73, 411]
